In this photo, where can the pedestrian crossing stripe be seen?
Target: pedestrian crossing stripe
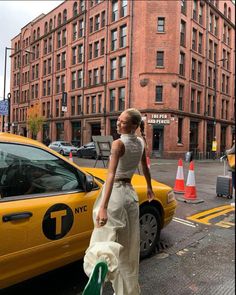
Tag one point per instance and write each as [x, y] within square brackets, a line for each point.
[205, 216]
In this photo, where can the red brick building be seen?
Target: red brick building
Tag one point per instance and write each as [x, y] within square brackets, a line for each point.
[173, 60]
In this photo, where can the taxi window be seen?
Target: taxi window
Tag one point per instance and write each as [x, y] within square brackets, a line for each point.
[26, 170]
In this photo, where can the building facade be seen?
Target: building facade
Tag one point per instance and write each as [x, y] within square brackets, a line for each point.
[84, 62]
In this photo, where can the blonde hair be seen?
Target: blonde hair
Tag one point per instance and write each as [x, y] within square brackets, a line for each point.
[136, 119]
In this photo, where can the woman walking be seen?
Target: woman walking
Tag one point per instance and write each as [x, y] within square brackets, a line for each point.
[115, 241]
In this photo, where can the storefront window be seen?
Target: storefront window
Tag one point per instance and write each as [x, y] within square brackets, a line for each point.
[60, 131]
[76, 133]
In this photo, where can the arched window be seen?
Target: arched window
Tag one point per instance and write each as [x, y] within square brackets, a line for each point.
[46, 28]
[50, 25]
[16, 46]
[64, 15]
[34, 35]
[75, 7]
[38, 32]
[229, 13]
[59, 19]
[225, 9]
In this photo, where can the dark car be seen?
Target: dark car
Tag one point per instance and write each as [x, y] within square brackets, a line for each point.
[87, 151]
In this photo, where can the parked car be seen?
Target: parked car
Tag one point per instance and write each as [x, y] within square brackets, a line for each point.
[87, 151]
[63, 147]
[46, 206]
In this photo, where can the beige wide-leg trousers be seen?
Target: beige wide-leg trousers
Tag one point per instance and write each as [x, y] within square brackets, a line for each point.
[118, 241]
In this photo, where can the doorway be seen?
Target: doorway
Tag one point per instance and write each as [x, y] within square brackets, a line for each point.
[95, 129]
[157, 141]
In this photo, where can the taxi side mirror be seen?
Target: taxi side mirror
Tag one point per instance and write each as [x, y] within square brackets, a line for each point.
[89, 183]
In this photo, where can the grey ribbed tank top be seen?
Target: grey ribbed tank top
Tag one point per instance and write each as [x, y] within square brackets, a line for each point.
[128, 163]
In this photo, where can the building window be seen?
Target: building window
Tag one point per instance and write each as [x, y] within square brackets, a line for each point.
[58, 84]
[73, 79]
[82, 5]
[209, 77]
[209, 105]
[79, 104]
[210, 50]
[182, 64]
[48, 87]
[81, 28]
[114, 16]
[73, 55]
[123, 11]
[101, 74]
[80, 78]
[194, 39]
[63, 83]
[58, 62]
[216, 26]
[211, 23]
[96, 49]
[103, 19]
[200, 17]
[58, 39]
[121, 98]
[160, 59]
[199, 102]
[161, 24]
[215, 52]
[90, 51]
[99, 103]
[180, 127]
[80, 53]
[182, 33]
[74, 30]
[195, 10]
[64, 16]
[181, 97]
[102, 51]
[214, 107]
[113, 40]
[199, 72]
[57, 108]
[192, 100]
[159, 93]
[183, 6]
[72, 105]
[200, 36]
[123, 36]
[63, 60]
[112, 100]
[95, 76]
[63, 37]
[87, 104]
[122, 70]
[90, 78]
[93, 104]
[75, 9]
[97, 22]
[193, 76]
[113, 69]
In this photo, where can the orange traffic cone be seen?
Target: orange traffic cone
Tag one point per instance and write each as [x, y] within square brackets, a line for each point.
[190, 194]
[179, 182]
[71, 157]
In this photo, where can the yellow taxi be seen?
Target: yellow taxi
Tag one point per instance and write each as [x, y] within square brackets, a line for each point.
[46, 206]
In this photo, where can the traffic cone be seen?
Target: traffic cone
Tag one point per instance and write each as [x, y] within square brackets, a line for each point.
[71, 157]
[179, 182]
[190, 194]
[148, 162]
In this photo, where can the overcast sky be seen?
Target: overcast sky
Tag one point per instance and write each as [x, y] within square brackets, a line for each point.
[13, 16]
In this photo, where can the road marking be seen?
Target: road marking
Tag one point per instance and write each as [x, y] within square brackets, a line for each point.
[205, 216]
[183, 221]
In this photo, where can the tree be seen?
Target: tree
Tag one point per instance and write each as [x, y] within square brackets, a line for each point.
[34, 120]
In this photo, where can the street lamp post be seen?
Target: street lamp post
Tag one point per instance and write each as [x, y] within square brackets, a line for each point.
[4, 89]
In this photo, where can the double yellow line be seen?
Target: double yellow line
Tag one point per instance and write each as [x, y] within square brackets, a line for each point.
[205, 216]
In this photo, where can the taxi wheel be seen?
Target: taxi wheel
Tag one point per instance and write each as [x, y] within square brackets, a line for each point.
[150, 229]
[62, 153]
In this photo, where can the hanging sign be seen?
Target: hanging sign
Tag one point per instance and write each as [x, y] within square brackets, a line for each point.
[4, 107]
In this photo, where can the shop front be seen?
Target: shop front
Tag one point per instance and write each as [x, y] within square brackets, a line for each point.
[76, 133]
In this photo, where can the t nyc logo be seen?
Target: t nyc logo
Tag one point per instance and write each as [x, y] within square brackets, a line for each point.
[57, 221]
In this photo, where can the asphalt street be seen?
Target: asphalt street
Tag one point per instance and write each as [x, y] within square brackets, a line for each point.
[196, 254]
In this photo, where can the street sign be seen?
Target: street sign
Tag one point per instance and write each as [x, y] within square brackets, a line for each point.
[4, 107]
[64, 109]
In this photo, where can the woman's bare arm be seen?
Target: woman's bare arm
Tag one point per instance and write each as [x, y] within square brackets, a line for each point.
[147, 176]
[117, 150]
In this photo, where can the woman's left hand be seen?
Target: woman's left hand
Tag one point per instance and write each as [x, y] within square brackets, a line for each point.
[101, 217]
[150, 195]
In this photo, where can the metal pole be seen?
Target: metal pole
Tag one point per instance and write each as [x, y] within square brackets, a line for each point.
[4, 85]
[215, 93]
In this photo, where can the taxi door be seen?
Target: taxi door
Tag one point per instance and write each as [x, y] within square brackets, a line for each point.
[46, 220]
